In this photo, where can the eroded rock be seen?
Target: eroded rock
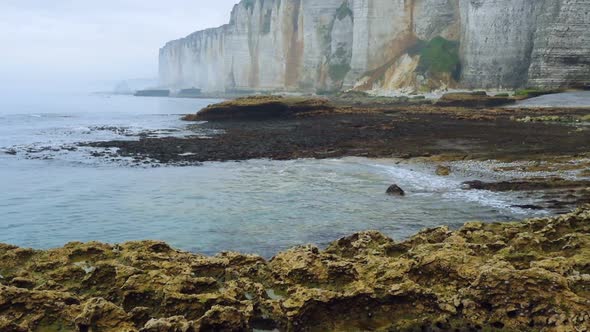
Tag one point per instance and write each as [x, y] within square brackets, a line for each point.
[532, 275]
[261, 107]
[395, 190]
[443, 170]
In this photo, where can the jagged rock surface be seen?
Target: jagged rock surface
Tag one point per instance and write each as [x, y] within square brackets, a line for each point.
[309, 45]
[528, 276]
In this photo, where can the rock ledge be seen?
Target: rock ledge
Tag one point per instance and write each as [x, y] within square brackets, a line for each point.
[527, 276]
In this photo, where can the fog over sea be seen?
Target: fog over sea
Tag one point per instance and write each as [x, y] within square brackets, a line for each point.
[54, 192]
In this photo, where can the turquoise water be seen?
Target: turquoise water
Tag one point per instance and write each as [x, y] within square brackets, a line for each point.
[54, 196]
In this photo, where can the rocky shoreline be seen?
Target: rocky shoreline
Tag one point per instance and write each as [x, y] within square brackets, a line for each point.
[459, 127]
[297, 127]
[532, 275]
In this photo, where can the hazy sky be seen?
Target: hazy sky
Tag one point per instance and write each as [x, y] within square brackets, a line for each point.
[65, 41]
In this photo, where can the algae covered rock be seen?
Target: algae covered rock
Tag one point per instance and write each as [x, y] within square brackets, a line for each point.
[532, 275]
[472, 100]
[443, 170]
[261, 107]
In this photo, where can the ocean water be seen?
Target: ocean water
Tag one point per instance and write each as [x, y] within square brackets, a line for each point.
[51, 195]
[564, 99]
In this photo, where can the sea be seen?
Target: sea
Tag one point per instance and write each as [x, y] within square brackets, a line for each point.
[53, 191]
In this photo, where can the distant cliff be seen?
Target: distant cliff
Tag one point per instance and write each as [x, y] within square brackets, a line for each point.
[411, 45]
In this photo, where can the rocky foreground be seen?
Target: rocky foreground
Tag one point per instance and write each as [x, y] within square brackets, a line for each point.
[527, 276]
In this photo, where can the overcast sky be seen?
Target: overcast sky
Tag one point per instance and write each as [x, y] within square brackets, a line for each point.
[44, 41]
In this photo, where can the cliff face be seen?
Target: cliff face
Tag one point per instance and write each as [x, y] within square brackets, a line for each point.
[268, 44]
[496, 41]
[414, 45]
[561, 51]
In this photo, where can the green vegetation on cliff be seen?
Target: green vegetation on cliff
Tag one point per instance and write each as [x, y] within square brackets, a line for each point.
[438, 55]
[338, 71]
[249, 4]
[343, 11]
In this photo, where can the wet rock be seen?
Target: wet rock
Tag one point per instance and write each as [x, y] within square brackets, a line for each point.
[547, 118]
[528, 207]
[526, 184]
[473, 185]
[97, 154]
[367, 132]
[395, 190]
[531, 275]
[10, 152]
[475, 99]
[443, 170]
[261, 107]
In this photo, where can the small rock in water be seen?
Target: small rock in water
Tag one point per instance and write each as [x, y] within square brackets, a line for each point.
[10, 152]
[443, 171]
[395, 190]
[528, 207]
[468, 185]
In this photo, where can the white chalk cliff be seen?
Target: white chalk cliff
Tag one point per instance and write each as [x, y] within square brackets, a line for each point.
[417, 45]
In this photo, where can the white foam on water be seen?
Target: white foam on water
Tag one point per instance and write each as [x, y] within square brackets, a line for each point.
[420, 182]
[81, 129]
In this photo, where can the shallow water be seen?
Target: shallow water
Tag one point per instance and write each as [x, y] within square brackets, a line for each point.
[565, 99]
[257, 206]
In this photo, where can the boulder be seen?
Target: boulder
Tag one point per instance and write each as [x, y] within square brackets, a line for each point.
[443, 170]
[395, 190]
